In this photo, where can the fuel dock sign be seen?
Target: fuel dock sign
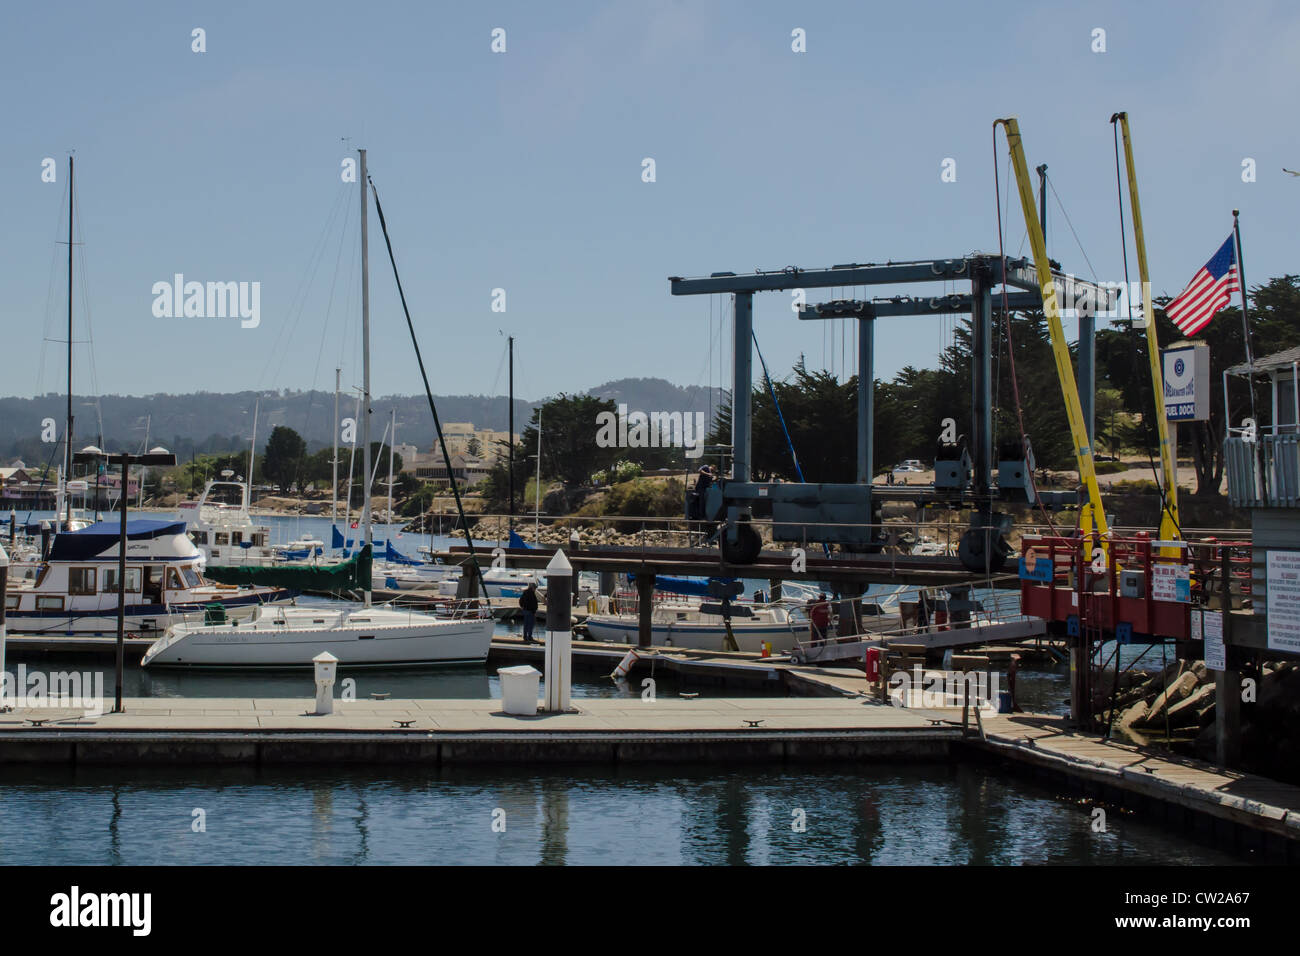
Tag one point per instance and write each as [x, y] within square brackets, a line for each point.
[1187, 382]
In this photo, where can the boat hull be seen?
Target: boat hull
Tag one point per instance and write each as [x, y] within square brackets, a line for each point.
[385, 639]
[705, 637]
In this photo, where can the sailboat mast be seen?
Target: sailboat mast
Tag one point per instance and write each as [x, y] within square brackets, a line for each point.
[510, 435]
[252, 450]
[67, 428]
[334, 462]
[392, 444]
[365, 361]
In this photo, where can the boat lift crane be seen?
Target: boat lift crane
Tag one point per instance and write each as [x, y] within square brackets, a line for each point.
[1093, 514]
[1170, 525]
[843, 513]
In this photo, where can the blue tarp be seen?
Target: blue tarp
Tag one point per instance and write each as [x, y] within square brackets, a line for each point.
[515, 541]
[694, 586]
[92, 541]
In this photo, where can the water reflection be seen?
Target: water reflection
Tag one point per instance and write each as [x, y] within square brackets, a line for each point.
[664, 815]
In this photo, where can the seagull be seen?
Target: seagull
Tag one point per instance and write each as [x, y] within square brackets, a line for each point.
[1290, 171]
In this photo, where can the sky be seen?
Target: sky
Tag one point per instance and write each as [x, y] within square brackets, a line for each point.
[523, 171]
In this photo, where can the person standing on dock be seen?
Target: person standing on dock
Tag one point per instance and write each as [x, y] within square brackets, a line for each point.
[528, 604]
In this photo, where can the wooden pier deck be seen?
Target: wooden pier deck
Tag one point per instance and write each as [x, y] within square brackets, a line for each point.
[1185, 792]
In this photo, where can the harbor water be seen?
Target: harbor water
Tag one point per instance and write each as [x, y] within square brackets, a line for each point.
[924, 814]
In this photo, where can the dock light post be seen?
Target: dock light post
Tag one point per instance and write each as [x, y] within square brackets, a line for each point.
[155, 456]
[559, 637]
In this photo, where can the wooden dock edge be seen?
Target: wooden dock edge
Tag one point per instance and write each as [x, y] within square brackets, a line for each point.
[1226, 819]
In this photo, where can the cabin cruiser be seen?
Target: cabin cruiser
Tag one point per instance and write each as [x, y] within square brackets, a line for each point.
[76, 590]
[221, 525]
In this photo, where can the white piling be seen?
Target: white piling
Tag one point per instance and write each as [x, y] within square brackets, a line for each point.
[559, 637]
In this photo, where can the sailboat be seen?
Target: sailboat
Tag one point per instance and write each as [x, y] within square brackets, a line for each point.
[358, 636]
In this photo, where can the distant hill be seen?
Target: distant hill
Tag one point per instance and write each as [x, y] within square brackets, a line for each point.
[222, 421]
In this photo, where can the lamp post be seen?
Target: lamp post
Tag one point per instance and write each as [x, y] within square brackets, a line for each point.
[155, 456]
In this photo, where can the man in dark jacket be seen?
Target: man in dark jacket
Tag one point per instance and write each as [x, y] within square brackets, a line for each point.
[528, 603]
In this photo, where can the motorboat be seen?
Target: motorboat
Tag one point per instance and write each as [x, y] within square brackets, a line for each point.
[697, 626]
[221, 525]
[75, 592]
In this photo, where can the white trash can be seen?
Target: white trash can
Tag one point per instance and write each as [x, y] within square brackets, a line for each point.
[519, 686]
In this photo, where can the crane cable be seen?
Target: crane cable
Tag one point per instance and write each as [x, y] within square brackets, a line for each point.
[1011, 353]
[1128, 300]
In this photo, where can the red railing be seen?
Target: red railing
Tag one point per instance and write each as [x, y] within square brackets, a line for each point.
[1087, 580]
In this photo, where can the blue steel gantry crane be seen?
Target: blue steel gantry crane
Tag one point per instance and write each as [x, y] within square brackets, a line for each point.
[847, 513]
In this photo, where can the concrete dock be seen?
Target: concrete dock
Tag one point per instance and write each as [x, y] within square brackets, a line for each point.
[266, 731]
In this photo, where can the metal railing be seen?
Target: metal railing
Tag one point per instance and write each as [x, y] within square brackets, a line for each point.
[1263, 473]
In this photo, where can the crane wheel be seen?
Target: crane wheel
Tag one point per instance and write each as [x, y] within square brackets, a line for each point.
[746, 548]
[981, 550]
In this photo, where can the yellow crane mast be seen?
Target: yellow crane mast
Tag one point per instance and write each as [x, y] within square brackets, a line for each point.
[1169, 521]
[1093, 513]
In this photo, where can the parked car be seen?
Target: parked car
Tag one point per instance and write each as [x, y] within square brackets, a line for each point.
[911, 464]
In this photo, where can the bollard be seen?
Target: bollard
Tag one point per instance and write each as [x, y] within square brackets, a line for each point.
[519, 690]
[559, 636]
[326, 666]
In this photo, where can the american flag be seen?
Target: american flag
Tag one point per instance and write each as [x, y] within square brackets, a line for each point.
[1207, 293]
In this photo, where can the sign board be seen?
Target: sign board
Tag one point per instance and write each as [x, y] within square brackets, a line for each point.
[1035, 568]
[1283, 571]
[1216, 659]
[1171, 582]
[1186, 376]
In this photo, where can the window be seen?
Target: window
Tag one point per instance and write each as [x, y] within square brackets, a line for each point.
[236, 537]
[200, 537]
[259, 541]
[11, 602]
[49, 603]
[81, 580]
[222, 538]
[132, 580]
[152, 583]
[173, 580]
[191, 577]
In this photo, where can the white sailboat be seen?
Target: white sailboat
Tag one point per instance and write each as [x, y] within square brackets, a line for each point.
[357, 636]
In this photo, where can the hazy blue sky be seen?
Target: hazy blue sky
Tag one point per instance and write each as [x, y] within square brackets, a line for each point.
[522, 171]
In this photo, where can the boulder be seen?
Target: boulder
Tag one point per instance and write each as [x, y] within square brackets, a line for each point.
[1188, 710]
[1132, 715]
[1179, 689]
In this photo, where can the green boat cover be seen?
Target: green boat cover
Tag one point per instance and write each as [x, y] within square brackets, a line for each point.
[350, 575]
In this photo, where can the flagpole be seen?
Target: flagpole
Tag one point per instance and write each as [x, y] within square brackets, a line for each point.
[1245, 319]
